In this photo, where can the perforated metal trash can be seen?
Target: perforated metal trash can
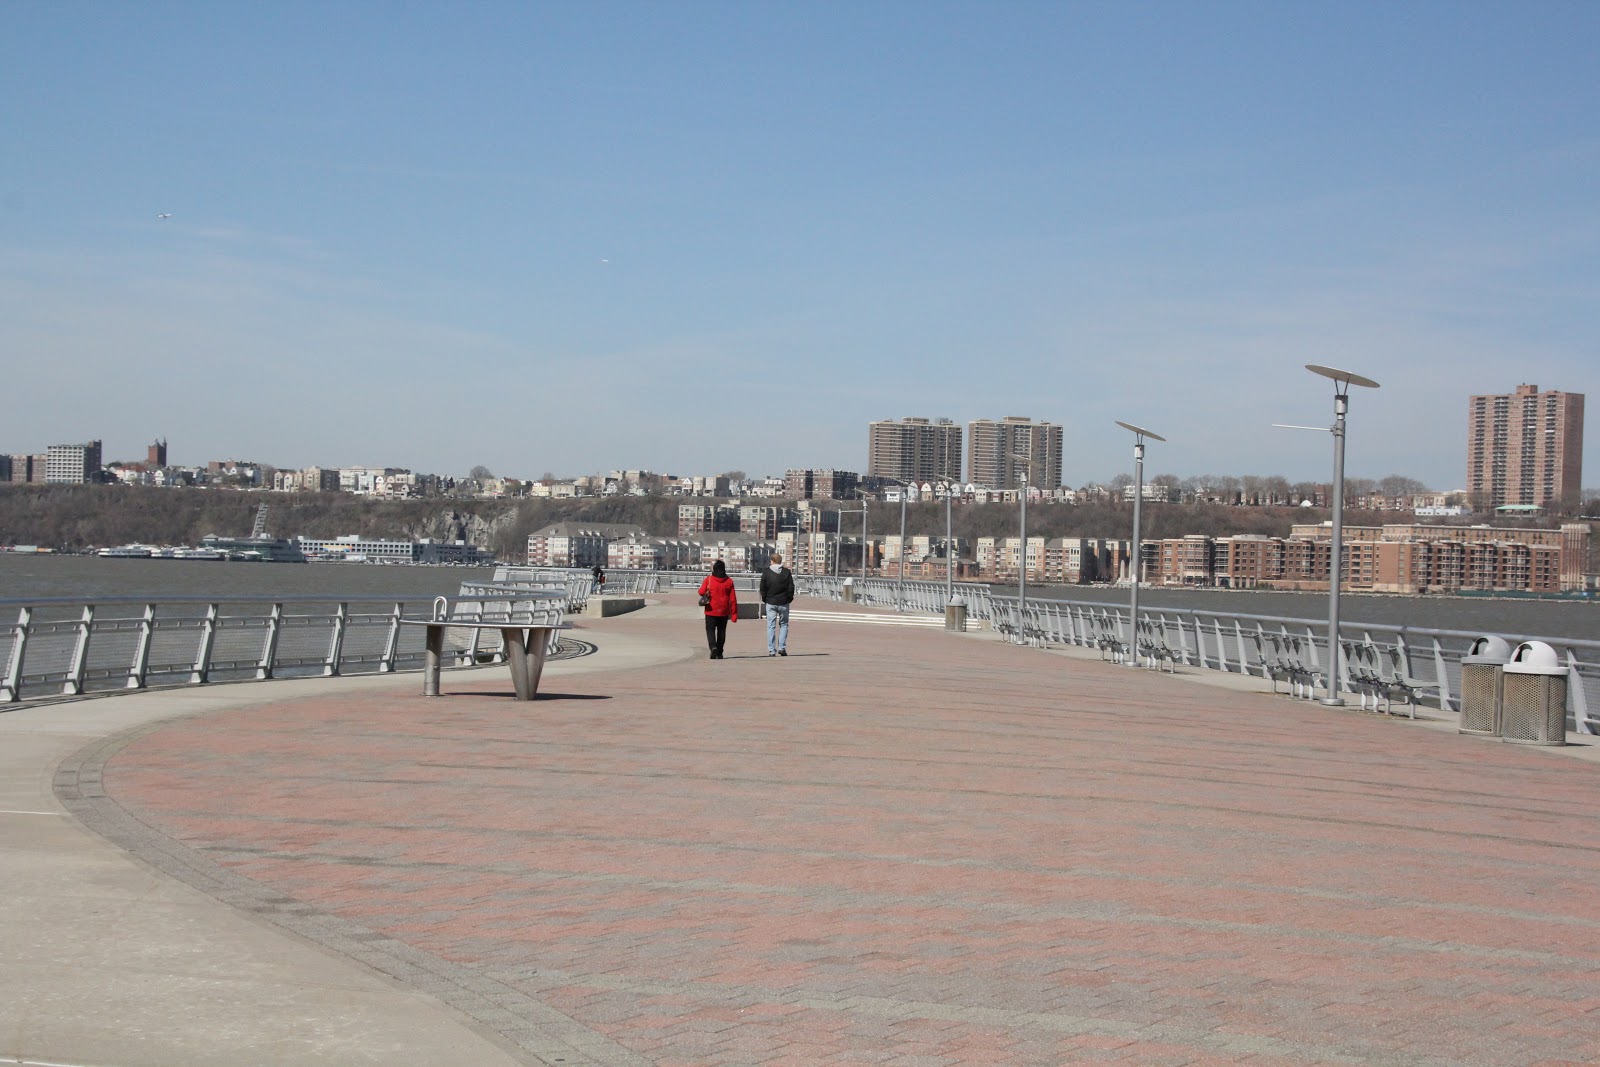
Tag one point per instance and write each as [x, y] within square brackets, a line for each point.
[1481, 686]
[1534, 696]
[955, 615]
[847, 591]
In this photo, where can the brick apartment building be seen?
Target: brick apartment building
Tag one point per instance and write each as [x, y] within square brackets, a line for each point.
[1406, 559]
[992, 446]
[914, 449]
[1525, 448]
[808, 484]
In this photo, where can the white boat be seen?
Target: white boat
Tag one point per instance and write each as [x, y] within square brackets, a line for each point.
[128, 552]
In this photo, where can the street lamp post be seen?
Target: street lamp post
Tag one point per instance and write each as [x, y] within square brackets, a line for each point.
[949, 551]
[1342, 381]
[900, 585]
[1022, 555]
[1139, 435]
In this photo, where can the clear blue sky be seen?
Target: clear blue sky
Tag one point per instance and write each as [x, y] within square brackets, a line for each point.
[699, 236]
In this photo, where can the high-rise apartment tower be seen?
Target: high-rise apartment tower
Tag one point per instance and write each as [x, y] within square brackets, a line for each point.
[994, 447]
[1525, 447]
[914, 450]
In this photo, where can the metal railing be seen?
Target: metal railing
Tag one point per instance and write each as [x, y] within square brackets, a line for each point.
[1429, 660]
[69, 647]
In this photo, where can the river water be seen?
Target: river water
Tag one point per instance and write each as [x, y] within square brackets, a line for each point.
[91, 576]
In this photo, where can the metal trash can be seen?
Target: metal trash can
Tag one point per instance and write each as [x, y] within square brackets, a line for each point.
[1534, 696]
[1482, 686]
[847, 591]
[955, 615]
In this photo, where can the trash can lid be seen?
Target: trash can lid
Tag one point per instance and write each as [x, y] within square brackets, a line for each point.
[1488, 649]
[1535, 657]
[849, 581]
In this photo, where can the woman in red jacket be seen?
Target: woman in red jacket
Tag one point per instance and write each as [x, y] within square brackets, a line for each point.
[721, 607]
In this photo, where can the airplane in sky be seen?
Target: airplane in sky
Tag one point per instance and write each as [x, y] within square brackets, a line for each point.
[165, 215]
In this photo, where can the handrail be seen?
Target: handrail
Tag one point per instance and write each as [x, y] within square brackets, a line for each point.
[133, 642]
[1227, 641]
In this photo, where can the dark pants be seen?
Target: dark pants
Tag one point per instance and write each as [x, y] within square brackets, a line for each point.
[716, 633]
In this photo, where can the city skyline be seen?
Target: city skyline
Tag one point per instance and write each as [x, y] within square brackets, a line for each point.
[537, 238]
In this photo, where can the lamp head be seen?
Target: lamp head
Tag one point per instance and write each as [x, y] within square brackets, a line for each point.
[1141, 431]
[1344, 378]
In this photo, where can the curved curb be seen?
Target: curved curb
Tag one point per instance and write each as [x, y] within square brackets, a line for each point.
[540, 1033]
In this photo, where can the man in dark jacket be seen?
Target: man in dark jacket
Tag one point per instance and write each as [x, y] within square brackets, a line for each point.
[777, 593]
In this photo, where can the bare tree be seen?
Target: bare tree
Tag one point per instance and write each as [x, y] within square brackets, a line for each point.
[480, 473]
[1400, 485]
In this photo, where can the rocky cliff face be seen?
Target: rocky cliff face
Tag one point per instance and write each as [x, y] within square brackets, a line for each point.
[495, 530]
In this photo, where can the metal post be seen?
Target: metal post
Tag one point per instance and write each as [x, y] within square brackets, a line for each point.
[949, 550]
[1136, 564]
[900, 587]
[1341, 405]
[1022, 568]
[1342, 381]
[863, 539]
[1138, 555]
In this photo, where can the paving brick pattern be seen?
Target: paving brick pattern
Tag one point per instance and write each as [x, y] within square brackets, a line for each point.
[911, 848]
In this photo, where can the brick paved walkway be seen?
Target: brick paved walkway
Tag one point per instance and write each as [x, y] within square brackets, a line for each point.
[906, 847]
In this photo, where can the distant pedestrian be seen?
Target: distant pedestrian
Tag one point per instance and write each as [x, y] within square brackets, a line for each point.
[721, 605]
[777, 593]
[599, 584]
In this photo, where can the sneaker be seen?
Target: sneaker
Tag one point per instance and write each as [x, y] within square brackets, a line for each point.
[783, 652]
[771, 654]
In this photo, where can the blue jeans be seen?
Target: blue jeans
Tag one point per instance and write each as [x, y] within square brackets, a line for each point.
[777, 627]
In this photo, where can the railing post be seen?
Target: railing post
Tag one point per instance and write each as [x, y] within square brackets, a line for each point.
[269, 646]
[1446, 701]
[391, 646]
[73, 685]
[336, 645]
[1576, 696]
[11, 690]
[201, 671]
[141, 652]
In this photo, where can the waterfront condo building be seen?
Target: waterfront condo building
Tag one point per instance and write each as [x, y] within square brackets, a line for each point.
[913, 449]
[1525, 447]
[994, 446]
[73, 464]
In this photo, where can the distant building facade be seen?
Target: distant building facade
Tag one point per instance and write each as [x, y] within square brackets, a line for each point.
[697, 519]
[993, 446]
[156, 455]
[577, 544]
[808, 484]
[1405, 559]
[914, 449]
[73, 464]
[1525, 448]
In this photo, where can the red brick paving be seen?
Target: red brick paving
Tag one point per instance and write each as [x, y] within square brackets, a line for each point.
[905, 847]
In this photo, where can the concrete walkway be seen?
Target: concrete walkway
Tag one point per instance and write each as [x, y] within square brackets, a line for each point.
[894, 846]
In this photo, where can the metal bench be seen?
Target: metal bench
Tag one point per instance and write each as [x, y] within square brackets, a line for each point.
[1153, 646]
[527, 636]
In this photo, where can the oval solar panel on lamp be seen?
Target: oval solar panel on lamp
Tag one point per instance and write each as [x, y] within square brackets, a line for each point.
[1141, 430]
[1346, 376]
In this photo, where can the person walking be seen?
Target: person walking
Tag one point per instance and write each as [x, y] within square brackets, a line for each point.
[777, 593]
[721, 604]
[598, 585]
